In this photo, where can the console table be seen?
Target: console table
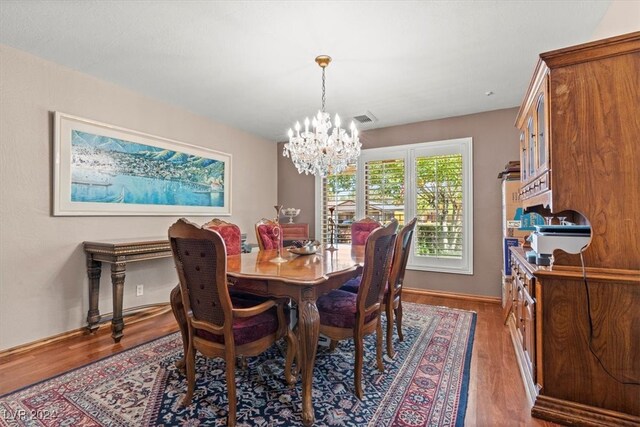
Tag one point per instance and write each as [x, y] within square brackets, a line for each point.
[117, 253]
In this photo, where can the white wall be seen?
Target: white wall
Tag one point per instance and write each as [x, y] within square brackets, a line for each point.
[622, 16]
[43, 281]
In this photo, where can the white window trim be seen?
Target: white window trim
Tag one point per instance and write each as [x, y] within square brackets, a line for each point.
[409, 152]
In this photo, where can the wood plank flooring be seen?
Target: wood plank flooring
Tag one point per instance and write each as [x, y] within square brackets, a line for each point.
[496, 393]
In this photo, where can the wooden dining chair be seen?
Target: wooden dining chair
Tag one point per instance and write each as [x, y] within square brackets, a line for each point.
[392, 301]
[230, 234]
[266, 236]
[361, 229]
[220, 325]
[347, 315]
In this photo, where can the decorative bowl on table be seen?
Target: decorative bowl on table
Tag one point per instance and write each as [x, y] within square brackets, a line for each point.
[291, 213]
[304, 247]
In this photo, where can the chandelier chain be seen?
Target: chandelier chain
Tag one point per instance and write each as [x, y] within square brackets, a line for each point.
[323, 97]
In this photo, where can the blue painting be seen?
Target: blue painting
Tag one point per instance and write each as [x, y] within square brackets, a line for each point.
[101, 169]
[109, 170]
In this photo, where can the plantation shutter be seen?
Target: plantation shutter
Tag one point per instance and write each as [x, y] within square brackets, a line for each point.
[384, 189]
[339, 192]
[439, 206]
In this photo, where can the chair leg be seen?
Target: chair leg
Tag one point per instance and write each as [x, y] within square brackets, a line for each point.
[230, 360]
[333, 344]
[190, 361]
[178, 312]
[399, 319]
[358, 368]
[292, 351]
[379, 345]
[243, 362]
[388, 309]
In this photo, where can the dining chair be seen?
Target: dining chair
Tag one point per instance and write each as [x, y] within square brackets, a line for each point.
[347, 315]
[361, 229]
[266, 236]
[230, 234]
[392, 301]
[220, 325]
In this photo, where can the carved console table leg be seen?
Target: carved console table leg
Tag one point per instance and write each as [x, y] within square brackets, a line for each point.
[117, 279]
[94, 269]
[309, 325]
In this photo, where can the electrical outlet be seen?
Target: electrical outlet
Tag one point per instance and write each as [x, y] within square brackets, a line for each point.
[139, 290]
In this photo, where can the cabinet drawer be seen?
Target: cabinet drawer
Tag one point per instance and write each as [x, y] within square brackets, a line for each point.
[536, 186]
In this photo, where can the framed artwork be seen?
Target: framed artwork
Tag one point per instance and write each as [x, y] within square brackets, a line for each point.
[101, 169]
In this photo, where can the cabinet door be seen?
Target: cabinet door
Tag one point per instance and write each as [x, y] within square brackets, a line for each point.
[542, 136]
[529, 333]
[523, 157]
[531, 147]
[519, 307]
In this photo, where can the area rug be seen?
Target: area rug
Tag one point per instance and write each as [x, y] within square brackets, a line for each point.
[425, 384]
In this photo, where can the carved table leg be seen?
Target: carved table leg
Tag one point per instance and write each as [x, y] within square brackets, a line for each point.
[117, 280]
[178, 312]
[309, 329]
[94, 268]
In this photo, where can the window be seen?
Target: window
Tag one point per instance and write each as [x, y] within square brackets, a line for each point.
[432, 181]
[339, 194]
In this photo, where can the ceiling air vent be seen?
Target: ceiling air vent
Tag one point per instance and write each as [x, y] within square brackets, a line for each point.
[365, 118]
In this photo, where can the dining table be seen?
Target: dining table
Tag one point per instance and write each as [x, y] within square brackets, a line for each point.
[303, 278]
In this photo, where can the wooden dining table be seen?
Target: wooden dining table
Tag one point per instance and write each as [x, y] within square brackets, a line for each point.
[303, 278]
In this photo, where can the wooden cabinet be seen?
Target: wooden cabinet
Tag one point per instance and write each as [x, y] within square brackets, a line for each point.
[294, 231]
[522, 319]
[579, 127]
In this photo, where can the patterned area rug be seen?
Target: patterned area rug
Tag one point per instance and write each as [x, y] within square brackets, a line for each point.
[425, 384]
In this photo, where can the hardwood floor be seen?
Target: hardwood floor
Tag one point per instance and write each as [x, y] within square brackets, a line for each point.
[496, 392]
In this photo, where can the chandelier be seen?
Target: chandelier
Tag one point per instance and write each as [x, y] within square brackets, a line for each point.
[324, 148]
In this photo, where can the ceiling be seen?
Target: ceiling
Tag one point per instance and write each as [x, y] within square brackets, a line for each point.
[250, 64]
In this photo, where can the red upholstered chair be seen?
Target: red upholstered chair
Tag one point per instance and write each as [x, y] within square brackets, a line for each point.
[230, 235]
[393, 295]
[361, 229]
[347, 315]
[266, 236]
[220, 325]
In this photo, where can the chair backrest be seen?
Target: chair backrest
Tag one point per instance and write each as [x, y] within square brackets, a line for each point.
[361, 229]
[230, 234]
[201, 263]
[377, 259]
[401, 255]
[268, 234]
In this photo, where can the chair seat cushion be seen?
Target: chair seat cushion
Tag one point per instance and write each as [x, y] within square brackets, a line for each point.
[338, 309]
[248, 329]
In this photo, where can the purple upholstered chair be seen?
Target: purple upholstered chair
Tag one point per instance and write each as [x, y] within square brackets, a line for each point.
[219, 325]
[347, 315]
[393, 294]
[361, 229]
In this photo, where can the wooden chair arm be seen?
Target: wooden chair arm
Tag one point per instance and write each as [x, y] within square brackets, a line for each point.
[253, 311]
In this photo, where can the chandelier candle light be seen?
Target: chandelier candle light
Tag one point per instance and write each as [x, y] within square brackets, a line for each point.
[316, 151]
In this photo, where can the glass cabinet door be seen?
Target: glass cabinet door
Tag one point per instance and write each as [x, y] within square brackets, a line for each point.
[531, 151]
[523, 157]
[541, 137]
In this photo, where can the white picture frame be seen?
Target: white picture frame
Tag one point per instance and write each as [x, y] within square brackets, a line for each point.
[104, 170]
